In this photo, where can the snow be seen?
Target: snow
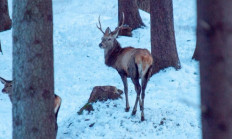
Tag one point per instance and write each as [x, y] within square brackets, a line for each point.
[172, 97]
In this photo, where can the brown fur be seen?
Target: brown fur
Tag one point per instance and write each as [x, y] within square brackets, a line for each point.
[129, 62]
[57, 104]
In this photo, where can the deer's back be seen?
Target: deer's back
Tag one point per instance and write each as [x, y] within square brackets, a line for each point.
[132, 59]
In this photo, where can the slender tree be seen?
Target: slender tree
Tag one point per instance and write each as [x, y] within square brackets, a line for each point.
[163, 43]
[131, 12]
[214, 36]
[5, 21]
[33, 86]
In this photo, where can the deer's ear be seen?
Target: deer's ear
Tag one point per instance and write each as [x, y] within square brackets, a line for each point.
[115, 33]
[3, 81]
[107, 32]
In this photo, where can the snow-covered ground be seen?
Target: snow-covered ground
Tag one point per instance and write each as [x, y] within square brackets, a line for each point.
[172, 97]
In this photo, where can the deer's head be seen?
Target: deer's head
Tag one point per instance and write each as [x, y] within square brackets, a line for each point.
[7, 86]
[109, 37]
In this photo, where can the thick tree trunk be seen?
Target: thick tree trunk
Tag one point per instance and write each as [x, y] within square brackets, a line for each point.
[5, 21]
[144, 5]
[33, 86]
[163, 43]
[214, 35]
[131, 12]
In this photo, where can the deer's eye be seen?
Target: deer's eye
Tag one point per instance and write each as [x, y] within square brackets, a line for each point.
[109, 39]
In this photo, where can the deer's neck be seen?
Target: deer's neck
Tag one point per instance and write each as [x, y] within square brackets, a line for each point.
[112, 54]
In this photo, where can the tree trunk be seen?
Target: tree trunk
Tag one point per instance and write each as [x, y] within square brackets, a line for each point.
[144, 5]
[5, 21]
[214, 35]
[131, 12]
[163, 44]
[33, 73]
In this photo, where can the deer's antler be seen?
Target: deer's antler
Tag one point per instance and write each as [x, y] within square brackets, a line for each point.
[123, 20]
[100, 28]
[119, 27]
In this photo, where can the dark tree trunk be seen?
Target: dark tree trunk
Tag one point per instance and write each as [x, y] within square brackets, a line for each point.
[33, 86]
[215, 44]
[163, 43]
[144, 5]
[131, 12]
[5, 21]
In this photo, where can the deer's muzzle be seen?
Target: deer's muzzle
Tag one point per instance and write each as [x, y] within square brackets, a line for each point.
[3, 90]
[100, 45]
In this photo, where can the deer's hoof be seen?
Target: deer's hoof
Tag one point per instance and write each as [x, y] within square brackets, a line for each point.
[127, 109]
[133, 112]
[142, 118]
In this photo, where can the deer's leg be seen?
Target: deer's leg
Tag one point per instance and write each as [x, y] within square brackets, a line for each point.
[124, 80]
[138, 91]
[144, 85]
[140, 104]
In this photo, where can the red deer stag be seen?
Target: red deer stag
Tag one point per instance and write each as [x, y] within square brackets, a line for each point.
[134, 63]
[8, 90]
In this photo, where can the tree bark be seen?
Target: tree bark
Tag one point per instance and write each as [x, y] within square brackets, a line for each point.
[131, 12]
[5, 21]
[214, 35]
[33, 74]
[144, 5]
[163, 44]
